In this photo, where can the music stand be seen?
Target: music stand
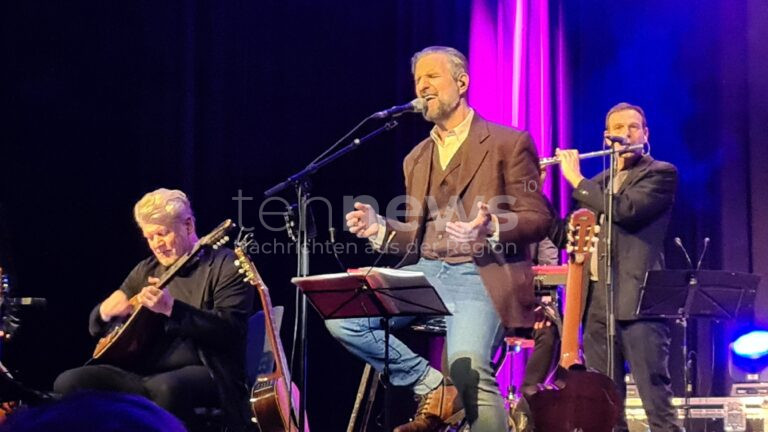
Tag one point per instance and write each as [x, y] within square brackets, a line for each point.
[684, 294]
[373, 293]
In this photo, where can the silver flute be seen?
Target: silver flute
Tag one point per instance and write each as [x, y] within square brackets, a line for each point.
[543, 162]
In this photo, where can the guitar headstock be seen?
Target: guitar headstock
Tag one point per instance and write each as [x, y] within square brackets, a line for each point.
[218, 237]
[582, 235]
[243, 261]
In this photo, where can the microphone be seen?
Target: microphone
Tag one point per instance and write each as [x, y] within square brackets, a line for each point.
[617, 139]
[416, 105]
[679, 244]
[332, 235]
[701, 257]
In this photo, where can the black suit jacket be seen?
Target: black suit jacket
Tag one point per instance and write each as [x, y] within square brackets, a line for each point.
[641, 211]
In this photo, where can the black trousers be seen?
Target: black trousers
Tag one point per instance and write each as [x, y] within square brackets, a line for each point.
[543, 359]
[179, 391]
[644, 344]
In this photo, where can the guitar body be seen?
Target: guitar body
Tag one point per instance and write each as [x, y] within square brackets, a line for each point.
[584, 400]
[274, 397]
[270, 405]
[581, 400]
[123, 345]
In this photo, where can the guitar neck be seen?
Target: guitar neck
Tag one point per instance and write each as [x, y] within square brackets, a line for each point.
[273, 335]
[574, 302]
[178, 265]
[281, 362]
[166, 276]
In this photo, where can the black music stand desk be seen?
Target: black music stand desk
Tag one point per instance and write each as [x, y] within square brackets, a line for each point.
[684, 294]
[713, 294]
[373, 292]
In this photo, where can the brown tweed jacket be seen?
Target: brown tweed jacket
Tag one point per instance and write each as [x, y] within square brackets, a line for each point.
[500, 166]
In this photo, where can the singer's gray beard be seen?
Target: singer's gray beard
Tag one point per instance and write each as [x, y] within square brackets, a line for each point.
[442, 112]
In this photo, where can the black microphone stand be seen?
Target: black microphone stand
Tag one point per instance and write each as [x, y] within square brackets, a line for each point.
[302, 184]
[688, 363]
[609, 298]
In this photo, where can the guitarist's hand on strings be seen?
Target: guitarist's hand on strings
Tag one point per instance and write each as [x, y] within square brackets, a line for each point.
[116, 305]
[155, 299]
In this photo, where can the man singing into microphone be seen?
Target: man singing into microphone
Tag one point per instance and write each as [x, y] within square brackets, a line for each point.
[472, 213]
[644, 191]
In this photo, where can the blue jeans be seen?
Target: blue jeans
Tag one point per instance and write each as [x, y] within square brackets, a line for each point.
[472, 333]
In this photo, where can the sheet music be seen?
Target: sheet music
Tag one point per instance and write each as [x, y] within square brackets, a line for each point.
[380, 277]
[392, 292]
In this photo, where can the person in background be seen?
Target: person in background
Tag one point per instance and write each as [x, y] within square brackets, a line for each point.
[644, 192]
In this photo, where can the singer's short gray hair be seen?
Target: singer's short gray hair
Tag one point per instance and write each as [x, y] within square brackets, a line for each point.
[456, 59]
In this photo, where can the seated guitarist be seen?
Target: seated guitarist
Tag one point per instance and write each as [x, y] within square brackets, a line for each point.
[197, 357]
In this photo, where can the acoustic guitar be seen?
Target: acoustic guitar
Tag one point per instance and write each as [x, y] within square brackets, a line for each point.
[582, 400]
[126, 339]
[274, 397]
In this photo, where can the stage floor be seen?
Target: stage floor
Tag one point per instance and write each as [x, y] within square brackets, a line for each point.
[711, 414]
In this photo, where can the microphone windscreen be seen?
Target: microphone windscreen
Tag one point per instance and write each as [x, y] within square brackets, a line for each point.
[418, 104]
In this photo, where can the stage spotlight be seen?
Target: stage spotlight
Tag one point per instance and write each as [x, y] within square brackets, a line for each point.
[748, 364]
[752, 345]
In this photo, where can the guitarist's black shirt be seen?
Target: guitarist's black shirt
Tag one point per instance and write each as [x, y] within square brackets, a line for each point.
[194, 285]
[170, 351]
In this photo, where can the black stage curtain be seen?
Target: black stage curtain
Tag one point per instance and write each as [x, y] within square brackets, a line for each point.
[102, 102]
[699, 70]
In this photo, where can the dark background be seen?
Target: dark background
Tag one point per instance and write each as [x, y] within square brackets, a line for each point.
[102, 102]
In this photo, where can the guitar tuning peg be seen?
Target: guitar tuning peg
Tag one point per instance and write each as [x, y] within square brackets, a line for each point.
[237, 263]
[240, 270]
[569, 248]
[225, 239]
[597, 229]
[595, 240]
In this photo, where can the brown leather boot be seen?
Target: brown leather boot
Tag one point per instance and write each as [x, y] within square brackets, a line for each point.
[436, 408]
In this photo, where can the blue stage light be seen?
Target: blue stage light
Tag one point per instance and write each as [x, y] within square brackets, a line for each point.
[752, 345]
